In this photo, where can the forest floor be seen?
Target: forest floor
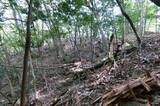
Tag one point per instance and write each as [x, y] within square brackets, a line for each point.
[71, 84]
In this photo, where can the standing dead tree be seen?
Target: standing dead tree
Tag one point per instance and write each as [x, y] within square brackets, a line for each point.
[26, 55]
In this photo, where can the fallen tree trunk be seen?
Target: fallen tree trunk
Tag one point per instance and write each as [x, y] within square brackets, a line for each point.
[130, 90]
[99, 64]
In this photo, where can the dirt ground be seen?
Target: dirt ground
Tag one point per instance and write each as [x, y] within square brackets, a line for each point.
[71, 84]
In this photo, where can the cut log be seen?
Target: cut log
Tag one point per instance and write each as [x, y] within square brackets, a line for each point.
[130, 90]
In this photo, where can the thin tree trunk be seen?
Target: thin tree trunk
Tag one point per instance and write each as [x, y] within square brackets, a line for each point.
[157, 2]
[130, 21]
[10, 85]
[31, 68]
[145, 21]
[156, 25]
[91, 43]
[150, 21]
[142, 23]
[124, 30]
[26, 55]
[93, 8]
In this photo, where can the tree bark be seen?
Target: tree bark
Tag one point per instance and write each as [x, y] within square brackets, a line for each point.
[130, 21]
[26, 55]
[157, 2]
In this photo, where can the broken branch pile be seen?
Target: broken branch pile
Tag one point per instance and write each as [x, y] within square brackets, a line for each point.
[131, 90]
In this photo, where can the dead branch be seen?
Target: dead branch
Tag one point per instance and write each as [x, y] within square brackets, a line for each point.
[130, 90]
[58, 99]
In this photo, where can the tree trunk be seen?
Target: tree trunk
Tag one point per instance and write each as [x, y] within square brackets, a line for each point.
[93, 8]
[157, 2]
[130, 21]
[156, 23]
[26, 55]
[142, 22]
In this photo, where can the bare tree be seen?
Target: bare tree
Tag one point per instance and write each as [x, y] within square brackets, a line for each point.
[26, 55]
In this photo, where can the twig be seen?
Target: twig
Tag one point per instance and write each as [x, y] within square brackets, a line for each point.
[6, 97]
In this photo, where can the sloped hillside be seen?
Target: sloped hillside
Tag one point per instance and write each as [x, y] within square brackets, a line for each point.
[76, 83]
